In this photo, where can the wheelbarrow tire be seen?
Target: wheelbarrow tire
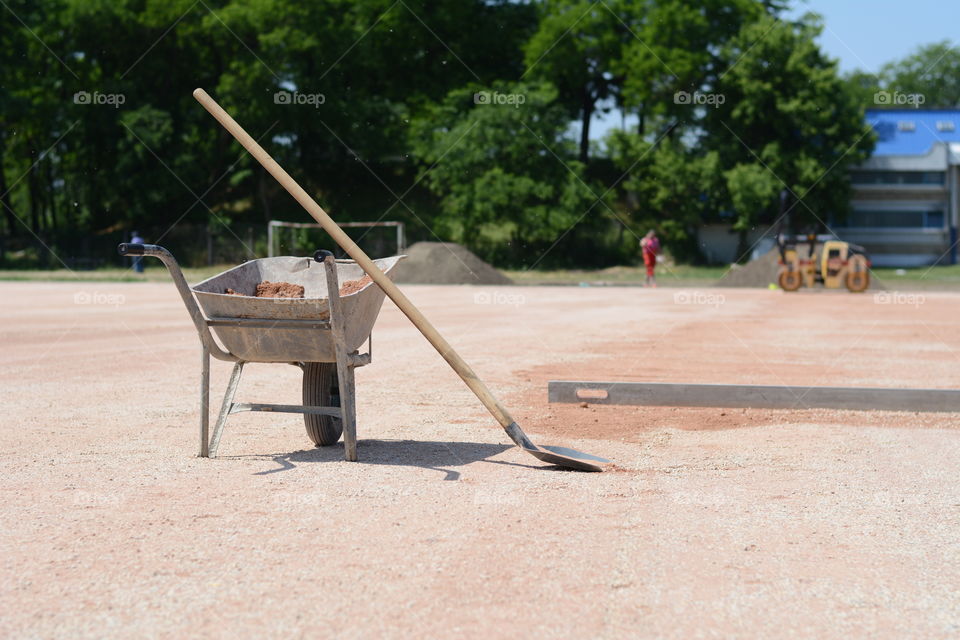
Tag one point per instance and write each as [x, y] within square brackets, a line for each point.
[321, 388]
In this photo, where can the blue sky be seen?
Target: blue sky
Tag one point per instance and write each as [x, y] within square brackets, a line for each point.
[865, 34]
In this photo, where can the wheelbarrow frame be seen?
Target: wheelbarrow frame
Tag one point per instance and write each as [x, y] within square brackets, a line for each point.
[346, 361]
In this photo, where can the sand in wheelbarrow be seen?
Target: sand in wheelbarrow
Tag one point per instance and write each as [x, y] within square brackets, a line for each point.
[267, 289]
[763, 271]
[352, 286]
[446, 263]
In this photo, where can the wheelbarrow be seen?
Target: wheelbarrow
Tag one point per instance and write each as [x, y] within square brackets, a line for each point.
[321, 333]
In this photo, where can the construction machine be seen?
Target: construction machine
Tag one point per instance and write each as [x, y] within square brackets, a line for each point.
[838, 264]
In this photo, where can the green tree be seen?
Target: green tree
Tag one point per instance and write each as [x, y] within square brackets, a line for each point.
[933, 71]
[864, 87]
[506, 175]
[576, 47]
[676, 50]
[786, 121]
[667, 187]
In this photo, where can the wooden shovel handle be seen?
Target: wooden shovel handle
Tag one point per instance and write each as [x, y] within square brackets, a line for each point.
[393, 292]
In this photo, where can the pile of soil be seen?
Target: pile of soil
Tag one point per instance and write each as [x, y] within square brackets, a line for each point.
[352, 286]
[267, 289]
[446, 263]
[757, 273]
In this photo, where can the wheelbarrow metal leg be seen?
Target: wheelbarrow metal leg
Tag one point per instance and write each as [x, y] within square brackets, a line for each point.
[348, 409]
[204, 401]
[225, 407]
[344, 370]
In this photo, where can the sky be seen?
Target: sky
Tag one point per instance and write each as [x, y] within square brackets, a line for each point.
[865, 34]
[861, 34]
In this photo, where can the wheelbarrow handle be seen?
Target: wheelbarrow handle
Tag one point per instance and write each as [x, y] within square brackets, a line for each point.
[186, 294]
[129, 249]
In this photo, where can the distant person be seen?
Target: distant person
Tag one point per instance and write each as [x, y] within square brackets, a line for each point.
[137, 260]
[651, 249]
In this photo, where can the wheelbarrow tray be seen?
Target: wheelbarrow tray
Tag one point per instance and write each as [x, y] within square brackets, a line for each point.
[243, 324]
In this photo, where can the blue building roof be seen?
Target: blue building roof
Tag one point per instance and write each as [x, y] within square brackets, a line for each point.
[913, 132]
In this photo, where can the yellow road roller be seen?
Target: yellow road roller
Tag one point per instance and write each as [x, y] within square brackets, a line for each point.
[838, 264]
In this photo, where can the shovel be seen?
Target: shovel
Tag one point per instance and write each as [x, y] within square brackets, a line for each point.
[560, 456]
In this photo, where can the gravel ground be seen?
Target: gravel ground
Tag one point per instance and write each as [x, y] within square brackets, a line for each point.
[715, 523]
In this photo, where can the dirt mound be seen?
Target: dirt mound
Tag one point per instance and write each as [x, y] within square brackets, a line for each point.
[446, 263]
[756, 273]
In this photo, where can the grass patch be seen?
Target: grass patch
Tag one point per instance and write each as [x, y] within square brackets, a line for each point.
[675, 275]
[153, 273]
[939, 277]
[942, 274]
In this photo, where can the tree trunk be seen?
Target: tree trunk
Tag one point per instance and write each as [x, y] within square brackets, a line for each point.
[35, 205]
[262, 193]
[641, 121]
[742, 247]
[5, 204]
[52, 198]
[587, 113]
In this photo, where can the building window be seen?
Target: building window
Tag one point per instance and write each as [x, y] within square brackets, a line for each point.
[946, 125]
[893, 219]
[907, 125]
[897, 177]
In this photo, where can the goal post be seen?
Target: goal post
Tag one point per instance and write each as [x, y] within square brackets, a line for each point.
[273, 225]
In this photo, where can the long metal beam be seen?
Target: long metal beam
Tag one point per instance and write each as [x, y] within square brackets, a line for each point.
[754, 396]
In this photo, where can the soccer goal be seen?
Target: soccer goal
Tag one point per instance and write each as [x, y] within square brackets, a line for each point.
[287, 238]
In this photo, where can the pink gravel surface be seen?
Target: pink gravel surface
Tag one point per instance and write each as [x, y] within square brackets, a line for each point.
[715, 523]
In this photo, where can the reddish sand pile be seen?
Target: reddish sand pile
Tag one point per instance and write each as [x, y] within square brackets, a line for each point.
[352, 286]
[267, 289]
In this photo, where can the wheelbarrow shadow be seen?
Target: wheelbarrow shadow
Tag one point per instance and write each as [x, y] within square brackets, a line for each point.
[438, 456]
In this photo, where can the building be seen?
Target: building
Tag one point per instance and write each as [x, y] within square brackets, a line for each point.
[906, 197]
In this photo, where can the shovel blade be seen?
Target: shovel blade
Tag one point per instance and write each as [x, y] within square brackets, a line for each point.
[560, 456]
[569, 458]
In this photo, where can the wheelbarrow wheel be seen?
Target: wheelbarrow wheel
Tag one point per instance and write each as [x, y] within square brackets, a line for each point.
[321, 388]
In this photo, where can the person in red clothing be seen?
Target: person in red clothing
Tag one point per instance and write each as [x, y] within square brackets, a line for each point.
[651, 248]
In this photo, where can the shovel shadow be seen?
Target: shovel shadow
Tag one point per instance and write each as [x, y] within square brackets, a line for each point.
[437, 456]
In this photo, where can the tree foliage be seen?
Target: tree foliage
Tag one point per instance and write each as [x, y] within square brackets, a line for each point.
[508, 167]
[370, 104]
[932, 71]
